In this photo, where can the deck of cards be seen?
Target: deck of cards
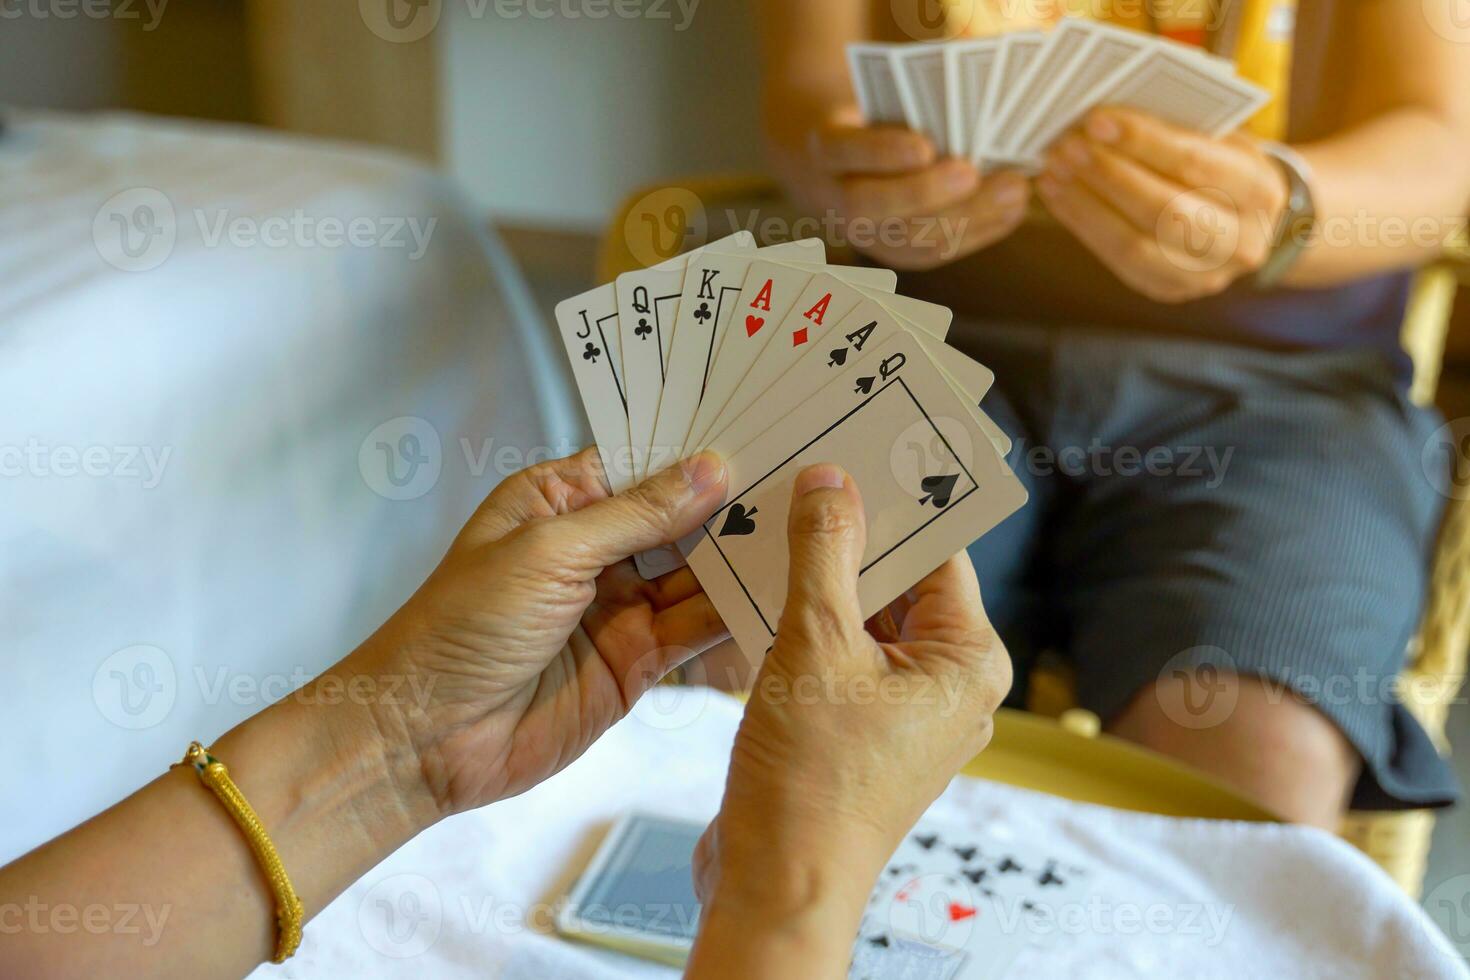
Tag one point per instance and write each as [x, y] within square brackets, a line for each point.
[1001, 101]
[777, 361]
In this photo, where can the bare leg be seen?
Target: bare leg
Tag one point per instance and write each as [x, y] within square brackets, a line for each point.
[1275, 748]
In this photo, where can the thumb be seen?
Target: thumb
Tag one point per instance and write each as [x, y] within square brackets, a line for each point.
[827, 533]
[657, 512]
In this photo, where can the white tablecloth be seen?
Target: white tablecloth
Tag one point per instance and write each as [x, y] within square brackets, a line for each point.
[471, 897]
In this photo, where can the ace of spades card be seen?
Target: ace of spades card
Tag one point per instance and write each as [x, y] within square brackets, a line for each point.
[930, 478]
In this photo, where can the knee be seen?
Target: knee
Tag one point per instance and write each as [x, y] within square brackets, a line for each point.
[1258, 736]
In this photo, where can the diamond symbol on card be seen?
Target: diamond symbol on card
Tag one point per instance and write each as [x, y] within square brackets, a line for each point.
[643, 329]
[591, 353]
[798, 337]
[703, 314]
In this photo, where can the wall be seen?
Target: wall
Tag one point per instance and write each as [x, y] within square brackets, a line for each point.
[186, 59]
[552, 121]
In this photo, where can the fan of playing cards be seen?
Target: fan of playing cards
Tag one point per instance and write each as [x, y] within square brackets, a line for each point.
[1002, 100]
[777, 361]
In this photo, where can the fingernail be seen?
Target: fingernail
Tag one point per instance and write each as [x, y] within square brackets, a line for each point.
[705, 471]
[1011, 196]
[961, 178]
[823, 476]
[1104, 129]
[1076, 153]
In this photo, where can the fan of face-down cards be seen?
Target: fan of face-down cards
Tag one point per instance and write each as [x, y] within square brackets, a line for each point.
[1001, 101]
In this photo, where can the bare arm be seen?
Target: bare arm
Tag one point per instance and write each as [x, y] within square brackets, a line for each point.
[497, 673]
[885, 178]
[1406, 164]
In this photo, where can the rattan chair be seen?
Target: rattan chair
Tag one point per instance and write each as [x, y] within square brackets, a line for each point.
[659, 222]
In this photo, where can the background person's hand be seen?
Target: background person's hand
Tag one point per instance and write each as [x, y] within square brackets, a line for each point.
[851, 730]
[536, 633]
[1174, 214]
[927, 212]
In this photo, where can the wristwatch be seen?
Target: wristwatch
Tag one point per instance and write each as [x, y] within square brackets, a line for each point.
[1298, 220]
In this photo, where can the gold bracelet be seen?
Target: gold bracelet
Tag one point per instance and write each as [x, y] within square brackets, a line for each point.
[290, 913]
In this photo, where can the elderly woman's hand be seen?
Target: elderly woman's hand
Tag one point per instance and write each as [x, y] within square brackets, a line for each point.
[851, 732]
[535, 634]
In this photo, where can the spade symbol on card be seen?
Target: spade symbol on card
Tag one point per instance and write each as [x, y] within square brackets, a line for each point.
[864, 385]
[928, 841]
[938, 490]
[591, 353]
[879, 941]
[753, 325]
[839, 357]
[738, 521]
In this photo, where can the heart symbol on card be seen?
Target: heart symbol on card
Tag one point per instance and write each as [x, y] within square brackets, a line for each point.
[738, 521]
[958, 912]
[753, 325]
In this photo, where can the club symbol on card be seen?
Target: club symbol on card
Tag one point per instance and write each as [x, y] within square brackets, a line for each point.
[738, 521]
[838, 358]
[592, 353]
[1049, 877]
[938, 490]
[753, 325]
[864, 385]
[643, 329]
[1007, 866]
[703, 314]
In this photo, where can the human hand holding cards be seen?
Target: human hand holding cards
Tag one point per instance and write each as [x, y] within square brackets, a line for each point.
[1003, 100]
[1133, 138]
[776, 362]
